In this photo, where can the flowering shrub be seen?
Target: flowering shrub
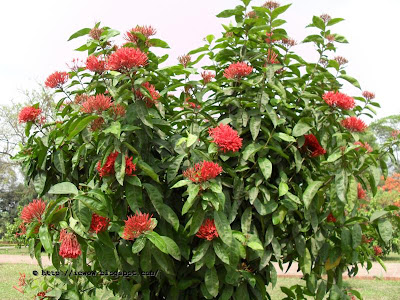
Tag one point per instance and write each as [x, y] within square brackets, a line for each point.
[259, 169]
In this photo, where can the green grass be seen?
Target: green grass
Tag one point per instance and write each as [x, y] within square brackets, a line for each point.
[15, 251]
[370, 289]
[392, 257]
[9, 275]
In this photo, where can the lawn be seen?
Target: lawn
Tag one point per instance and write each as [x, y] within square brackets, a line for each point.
[15, 251]
[9, 275]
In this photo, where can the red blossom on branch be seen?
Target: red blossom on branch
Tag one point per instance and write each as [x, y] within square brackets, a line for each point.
[95, 33]
[378, 250]
[124, 59]
[70, 247]
[33, 211]
[108, 168]
[147, 31]
[339, 100]
[130, 167]
[29, 114]
[313, 145]
[118, 110]
[96, 124]
[21, 283]
[368, 95]
[152, 91]
[366, 240]
[225, 137]
[207, 76]
[365, 145]
[271, 5]
[361, 193]
[137, 225]
[99, 223]
[57, 79]
[203, 171]
[207, 230]
[354, 124]
[96, 104]
[331, 218]
[237, 70]
[95, 65]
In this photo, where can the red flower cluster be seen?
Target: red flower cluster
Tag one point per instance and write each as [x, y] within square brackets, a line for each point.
[96, 104]
[378, 250]
[354, 124]
[313, 145]
[99, 223]
[339, 100]
[152, 91]
[147, 31]
[207, 76]
[137, 225]
[368, 95]
[118, 110]
[41, 295]
[361, 193]
[70, 247]
[237, 70]
[21, 283]
[29, 114]
[33, 210]
[95, 65]
[272, 58]
[56, 80]
[97, 124]
[207, 230]
[124, 59]
[184, 60]
[203, 171]
[22, 229]
[331, 218]
[269, 39]
[366, 240]
[226, 138]
[108, 168]
[271, 5]
[365, 145]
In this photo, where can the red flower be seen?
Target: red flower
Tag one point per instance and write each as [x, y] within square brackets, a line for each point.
[368, 95]
[125, 59]
[331, 218]
[207, 76]
[22, 228]
[203, 171]
[33, 210]
[395, 133]
[147, 31]
[99, 223]
[108, 168]
[57, 79]
[339, 100]
[29, 114]
[361, 193]
[41, 295]
[354, 124]
[95, 65]
[366, 240]
[269, 40]
[207, 230]
[271, 5]
[226, 138]
[365, 145]
[237, 70]
[95, 33]
[272, 57]
[97, 104]
[136, 225]
[21, 282]
[70, 247]
[185, 60]
[313, 145]
[130, 167]
[378, 250]
[152, 91]
[118, 110]
[97, 124]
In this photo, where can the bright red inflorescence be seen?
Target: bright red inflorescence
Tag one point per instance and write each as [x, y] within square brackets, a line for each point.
[378, 250]
[137, 225]
[147, 31]
[368, 95]
[365, 145]
[339, 100]
[130, 167]
[207, 76]
[207, 230]
[108, 168]
[272, 58]
[313, 145]
[237, 70]
[331, 218]
[33, 210]
[70, 247]
[361, 193]
[118, 110]
[354, 124]
[95, 65]
[366, 240]
[96, 104]
[99, 223]
[41, 295]
[57, 79]
[203, 171]
[226, 138]
[124, 59]
[152, 91]
[29, 114]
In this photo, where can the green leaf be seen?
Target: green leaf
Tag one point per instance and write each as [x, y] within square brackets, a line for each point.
[134, 196]
[221, 251]
[285, 137]
[173, 168]
[255, 125]
[191, 139]
[334, 156]
[269, 235]
[250, 150]
[119, 167]
[279, 10]
[283, 188]
[197, 220]
[246, 220]
[341, 185]
[45, 239]
[378, 214]
[157, 241]
[301, 128]
[114, 128]
[79, 126]
[279, 215]
[81, 32]
[352, 191]
[350, 79]
[193, 190]
[310, 192]
[272, 114]
[318, 22]
[255, 243]
[321, 291]
[211, 281]
[305, 262]
[181, 183]
[385, 230]
[276, 247]
[356, 235]
[63, 188]
[172, 247]
[148, 170]
[200, 251]
[265, 167]
[139, 244]
[231, 12]
[223, 228]
[334, 21]
[95, 205]
[59, 161]
[158, 43]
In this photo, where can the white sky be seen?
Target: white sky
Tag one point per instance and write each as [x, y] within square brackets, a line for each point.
[34, 36]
